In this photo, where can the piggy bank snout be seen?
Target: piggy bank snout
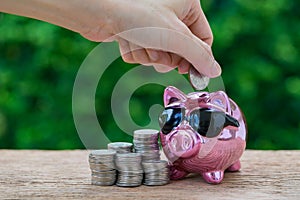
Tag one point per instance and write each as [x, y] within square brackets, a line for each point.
[184, 143]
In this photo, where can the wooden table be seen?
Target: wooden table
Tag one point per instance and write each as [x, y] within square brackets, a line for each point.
[66, 175]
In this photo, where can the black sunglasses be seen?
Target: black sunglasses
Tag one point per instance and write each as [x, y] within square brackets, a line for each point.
[207, 122]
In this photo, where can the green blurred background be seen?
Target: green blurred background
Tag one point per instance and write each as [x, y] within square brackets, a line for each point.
[256, 42]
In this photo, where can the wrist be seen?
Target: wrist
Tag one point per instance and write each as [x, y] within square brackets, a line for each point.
[99, 20]
[82, 16]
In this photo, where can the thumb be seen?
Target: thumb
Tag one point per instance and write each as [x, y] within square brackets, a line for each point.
[181, 42]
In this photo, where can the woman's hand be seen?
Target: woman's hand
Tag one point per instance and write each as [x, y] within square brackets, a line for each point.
[163, 33]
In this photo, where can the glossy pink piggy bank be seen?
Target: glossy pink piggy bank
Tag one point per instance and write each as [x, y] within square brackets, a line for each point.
[202, 133]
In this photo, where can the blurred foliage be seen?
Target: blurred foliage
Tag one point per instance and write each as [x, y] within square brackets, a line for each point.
[256, 42]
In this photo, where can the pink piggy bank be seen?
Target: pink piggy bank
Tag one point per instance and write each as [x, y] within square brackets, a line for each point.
[202, 133]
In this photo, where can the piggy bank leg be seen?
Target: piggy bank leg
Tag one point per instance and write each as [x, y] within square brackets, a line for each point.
[213, 177]
[234, 167]
[176, 173]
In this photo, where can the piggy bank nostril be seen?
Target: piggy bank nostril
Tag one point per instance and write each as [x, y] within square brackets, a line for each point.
[174, 143]
[186, 143]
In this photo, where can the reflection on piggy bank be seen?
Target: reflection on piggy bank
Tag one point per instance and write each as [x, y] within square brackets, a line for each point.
[202, 133]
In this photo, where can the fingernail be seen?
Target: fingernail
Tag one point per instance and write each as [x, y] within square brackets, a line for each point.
[215, 70]
[183, 67]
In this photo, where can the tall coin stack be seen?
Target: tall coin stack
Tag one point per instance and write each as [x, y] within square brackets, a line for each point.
[102, 167]
[156, 172]
[146, 143]
[130, 171]
[120, 147]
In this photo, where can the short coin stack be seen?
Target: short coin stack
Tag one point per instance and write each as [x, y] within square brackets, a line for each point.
[146, 143]
[130, 171]
[102, 167]
[120, 147]
[156, 172]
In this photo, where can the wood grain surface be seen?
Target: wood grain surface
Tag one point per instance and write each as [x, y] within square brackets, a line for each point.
[66, 175]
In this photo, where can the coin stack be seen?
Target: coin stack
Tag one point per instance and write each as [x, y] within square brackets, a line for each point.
[146, 143]
[156, 172]
[102, 167]
[130, 171]
[120, 147]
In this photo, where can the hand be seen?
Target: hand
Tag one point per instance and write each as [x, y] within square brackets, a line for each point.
[182, 35]
[165, 33]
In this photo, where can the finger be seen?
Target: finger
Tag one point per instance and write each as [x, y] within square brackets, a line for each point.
[164, 58]
[163, 61]
[175, 59]
[125, 50]
[201, 27]
[180, 41]
[139, 54]
[162, 68]
[153, 55]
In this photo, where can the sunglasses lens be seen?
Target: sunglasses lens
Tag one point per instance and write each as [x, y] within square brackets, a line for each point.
[207, 122]
[194, 121]
[169, 119]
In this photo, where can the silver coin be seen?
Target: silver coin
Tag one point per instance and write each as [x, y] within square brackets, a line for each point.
[128, 184]
[122, 168]
[161, 163]
[128, 165]
[104, 173]
[103, 178]
[145, 158]
[129, 179]
[128, 158]
[102, 167]
[103, 152]
[157, 176]
[100, 160]
[142, 133]
[149, 144]
[133, 173]
[146, 145]
[149, 151]
[108, 183]
[159, 183]
[120, 147]
[154, 166]
[100, 183]
[198, 81]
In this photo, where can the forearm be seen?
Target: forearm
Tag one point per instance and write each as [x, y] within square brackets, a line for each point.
[76, 15]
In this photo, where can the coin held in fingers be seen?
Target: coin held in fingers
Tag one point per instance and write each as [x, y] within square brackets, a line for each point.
[198, 80]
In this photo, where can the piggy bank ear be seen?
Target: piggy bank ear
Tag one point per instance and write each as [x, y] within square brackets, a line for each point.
[173, 94]
[221, 100]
